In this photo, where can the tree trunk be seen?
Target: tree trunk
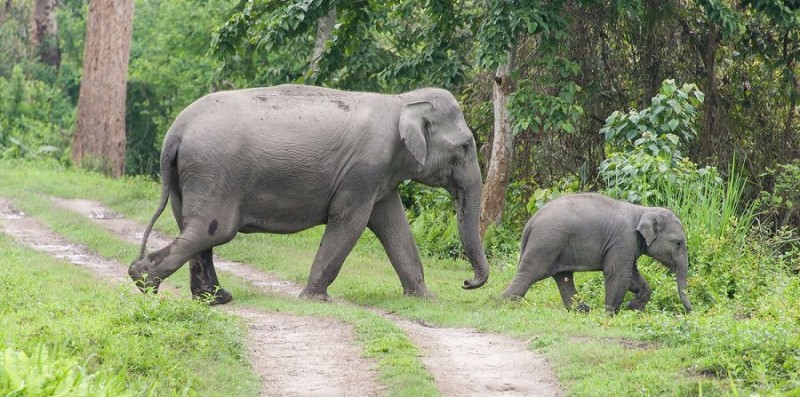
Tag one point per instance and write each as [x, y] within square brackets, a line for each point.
[790, 148]
[99, 140]
[494, 191]
[710, 134]
[44, 32]
[5, 10]
[324, 30]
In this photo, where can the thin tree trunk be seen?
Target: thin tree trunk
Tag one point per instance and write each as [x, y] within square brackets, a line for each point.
[710, 135]
[324, 30]
[44, 32]
[790, 149]
[494, 190]
[5, 10]
[99, 140]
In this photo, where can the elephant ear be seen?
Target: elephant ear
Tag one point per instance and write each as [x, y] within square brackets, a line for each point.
[413, 126]
[648, 227]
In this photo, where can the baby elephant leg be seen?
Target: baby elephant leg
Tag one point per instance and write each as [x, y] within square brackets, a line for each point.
[641, 290]
[566, 287]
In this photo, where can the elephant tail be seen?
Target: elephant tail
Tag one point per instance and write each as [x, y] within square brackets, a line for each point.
[526, 233]
[169, 155]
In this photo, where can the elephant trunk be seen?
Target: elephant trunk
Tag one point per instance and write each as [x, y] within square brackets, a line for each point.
[681, 276]
[468, 208]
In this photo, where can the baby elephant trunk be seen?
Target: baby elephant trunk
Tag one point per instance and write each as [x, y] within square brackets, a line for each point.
[681, 275]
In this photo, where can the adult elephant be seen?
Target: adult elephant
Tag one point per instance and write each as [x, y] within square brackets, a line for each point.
[286, 158]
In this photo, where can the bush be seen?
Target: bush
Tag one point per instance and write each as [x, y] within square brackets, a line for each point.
[434, 224]
[433, 221]
[35, 119]
[643, 147]
[778, 206]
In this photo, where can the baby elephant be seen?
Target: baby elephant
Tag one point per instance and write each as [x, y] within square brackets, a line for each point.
[582, 232]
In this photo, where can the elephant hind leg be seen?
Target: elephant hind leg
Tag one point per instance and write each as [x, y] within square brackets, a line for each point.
[531, 269]
[195, 238]
[203, 279]
[641, 290]
[566, 287]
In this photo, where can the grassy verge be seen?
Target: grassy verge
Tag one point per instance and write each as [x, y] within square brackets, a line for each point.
[658, 352]
[67, 333]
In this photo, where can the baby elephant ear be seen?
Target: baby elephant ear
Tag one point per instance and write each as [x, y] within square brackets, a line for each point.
[648, 227]
[413, 129]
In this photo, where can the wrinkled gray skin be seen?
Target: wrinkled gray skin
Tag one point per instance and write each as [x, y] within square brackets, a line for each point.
[286, 158]
[584, 232]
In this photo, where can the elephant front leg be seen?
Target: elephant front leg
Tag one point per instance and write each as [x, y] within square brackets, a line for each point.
[346, 223]
[203, 279]
[389, 223]
[617, 274]
[641, 289]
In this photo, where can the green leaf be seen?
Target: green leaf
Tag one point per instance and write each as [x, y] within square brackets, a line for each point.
[673, 124]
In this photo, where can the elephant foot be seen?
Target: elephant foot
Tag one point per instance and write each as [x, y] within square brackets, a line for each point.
[512, 297]
[217, 296]
[638, 306]
[583, 308]
[320, 296]
[144, 281]
[419, 292]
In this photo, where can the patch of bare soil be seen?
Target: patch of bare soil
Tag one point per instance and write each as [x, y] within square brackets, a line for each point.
[32, 233]
[281, 346]
[463, 362]
[467, 362]
[307, 356]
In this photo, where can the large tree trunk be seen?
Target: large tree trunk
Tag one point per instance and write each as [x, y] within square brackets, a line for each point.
[494, 191]
[324, 30]
[99, 140]
[44, 32]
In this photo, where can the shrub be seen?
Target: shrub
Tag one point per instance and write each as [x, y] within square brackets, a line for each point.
[779, 206]
[643, 147]
[434, 224]
[35, 118]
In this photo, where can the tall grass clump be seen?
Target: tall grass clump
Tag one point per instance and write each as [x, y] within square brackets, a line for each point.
[717, 206]
[43, 373]
[730, 263]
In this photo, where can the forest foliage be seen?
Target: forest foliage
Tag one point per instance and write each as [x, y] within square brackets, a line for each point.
[577, 63]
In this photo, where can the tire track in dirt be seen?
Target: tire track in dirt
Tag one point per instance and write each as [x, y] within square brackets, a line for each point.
[279, 345]
[464, 362]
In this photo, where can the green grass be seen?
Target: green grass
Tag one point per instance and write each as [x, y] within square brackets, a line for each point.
[65, 330]
[658, 352]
